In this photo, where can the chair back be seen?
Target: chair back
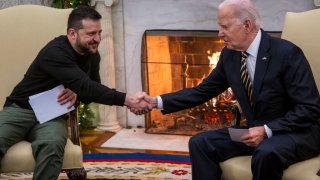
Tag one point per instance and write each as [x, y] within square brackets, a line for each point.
[303, 29]
[25, 29]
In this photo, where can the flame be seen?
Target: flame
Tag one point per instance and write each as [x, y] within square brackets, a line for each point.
[213, 59]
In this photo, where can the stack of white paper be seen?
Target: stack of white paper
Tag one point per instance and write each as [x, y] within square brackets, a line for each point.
[235, 134]
[46, 106]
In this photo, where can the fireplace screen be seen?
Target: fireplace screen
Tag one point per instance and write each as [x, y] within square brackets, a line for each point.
[176, 59]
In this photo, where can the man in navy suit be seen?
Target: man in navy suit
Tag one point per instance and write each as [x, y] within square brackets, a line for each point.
[282, 109]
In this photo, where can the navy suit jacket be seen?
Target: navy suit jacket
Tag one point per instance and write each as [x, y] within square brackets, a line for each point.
[285, 95]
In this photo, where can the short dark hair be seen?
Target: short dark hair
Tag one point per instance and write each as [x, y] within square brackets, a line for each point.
[80, 13]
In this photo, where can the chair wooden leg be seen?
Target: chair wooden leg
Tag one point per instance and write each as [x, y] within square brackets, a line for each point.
[76, 174]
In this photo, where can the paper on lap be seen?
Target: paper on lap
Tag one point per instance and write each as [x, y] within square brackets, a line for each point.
[235, 133]
[46, 106]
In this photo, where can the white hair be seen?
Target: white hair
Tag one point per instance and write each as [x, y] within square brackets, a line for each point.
[243, 9]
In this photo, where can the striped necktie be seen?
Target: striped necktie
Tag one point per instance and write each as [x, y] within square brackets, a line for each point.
[245, 75]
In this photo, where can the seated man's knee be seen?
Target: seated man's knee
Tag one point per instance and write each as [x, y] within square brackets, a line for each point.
[193, 141]
[196, 141]
[54, 146]
[264, 154]
[3, 147]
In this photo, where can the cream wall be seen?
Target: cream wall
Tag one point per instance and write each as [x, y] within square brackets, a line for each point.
[132, 17]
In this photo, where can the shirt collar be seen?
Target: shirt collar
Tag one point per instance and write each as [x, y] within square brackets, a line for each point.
[254, 46]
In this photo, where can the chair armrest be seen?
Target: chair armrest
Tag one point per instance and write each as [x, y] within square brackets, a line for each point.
[73, 128]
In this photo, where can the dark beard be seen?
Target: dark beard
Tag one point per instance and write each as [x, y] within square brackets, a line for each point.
[82, 48]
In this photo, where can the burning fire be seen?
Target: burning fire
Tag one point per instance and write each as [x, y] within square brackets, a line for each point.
[213, 59]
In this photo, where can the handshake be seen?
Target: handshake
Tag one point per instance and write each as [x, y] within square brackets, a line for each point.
[140, 103]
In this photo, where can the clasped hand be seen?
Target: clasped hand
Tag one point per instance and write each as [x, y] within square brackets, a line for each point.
[140, 103]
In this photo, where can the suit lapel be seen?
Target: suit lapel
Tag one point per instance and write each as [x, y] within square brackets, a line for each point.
[261, 65]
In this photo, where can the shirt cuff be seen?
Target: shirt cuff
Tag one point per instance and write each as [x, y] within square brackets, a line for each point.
[268, 131]
[159, 103]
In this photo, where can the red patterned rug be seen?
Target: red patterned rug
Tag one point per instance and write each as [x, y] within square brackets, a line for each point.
[128, 166]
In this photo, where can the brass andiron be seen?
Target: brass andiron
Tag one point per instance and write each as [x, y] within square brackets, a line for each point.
[184, 74]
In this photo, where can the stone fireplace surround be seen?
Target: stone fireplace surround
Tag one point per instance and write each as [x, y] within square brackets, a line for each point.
[130, 18]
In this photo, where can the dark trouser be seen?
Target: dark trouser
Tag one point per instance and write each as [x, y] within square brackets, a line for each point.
[270, 158]
[47, 140]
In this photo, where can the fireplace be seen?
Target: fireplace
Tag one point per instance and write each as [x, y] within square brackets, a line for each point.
[176, 59]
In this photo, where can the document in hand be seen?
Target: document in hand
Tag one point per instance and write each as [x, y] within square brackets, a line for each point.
[46, 106]
[235, 133]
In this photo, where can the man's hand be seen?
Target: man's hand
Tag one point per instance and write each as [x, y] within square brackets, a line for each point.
[137, 104]
[254, 137]
[67, 96]
[151, 99]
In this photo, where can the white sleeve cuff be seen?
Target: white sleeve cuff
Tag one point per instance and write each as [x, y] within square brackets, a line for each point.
[268, 131]
[159, 103]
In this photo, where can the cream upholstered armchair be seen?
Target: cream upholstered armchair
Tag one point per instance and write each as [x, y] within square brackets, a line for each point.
[303, 29]
[25, 29]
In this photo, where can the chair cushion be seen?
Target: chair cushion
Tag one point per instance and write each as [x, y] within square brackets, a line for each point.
[19, 157]
[239, 168]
